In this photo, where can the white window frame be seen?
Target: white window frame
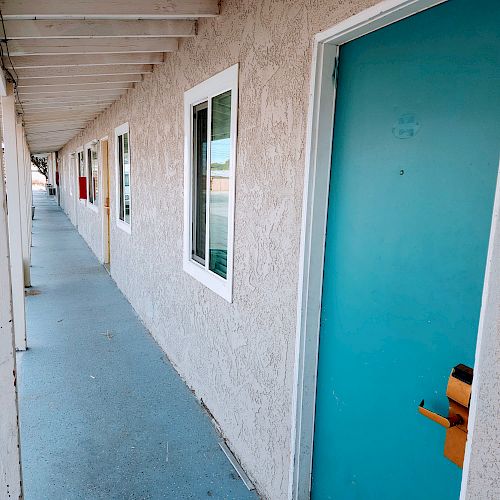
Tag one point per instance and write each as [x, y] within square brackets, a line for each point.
[77, 152]
[124, 226]
[224, 81]
[92, 205]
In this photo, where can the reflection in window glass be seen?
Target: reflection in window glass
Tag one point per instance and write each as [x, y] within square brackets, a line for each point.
[81, 165]
[200, 121]
[220, 151]
[124, 177]
[93, 173]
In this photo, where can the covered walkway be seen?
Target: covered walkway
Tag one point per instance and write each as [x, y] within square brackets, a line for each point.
[103, 413]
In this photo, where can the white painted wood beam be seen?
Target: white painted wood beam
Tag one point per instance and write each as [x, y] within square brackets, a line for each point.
[3, 83]
[64, 106]
[62, 125]
[20, 62]
[23, 202]
[52, 138]
[46, 148]
[50, 99]
[72, 109]
[41, 134]
[49, 46]
[78, 80]
[99, 9]
[10, 460]
[50, 89]
[58, 118]
[68, 71]
[29, 191]
[90, 28]
[75, 93]
[14, 219]
[52, 113]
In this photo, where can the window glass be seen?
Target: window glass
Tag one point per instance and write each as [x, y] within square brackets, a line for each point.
[220, 152]
[93, 173]
[81, 165]
[124, 177]
[210, 130]
[200, 143]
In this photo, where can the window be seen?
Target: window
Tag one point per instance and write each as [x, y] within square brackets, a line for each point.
[82, 178]
[210, 111]
[123, 180]
[92, 173]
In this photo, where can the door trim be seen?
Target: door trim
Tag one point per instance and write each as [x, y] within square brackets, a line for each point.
[319, 138]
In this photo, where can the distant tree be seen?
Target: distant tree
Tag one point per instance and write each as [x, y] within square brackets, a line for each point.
[41, 164]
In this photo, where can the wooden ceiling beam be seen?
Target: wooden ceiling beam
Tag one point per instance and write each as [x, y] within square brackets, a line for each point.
[69, 71]
[40, 129]
[58, 119]
[78, 80]
[59, 125]
[89, 28]
[85, 90]
[88, 46]
[40, 61]
[30, 115]
[50, 89]
[99, 9]
[82, 93]
[64, 106]
[54, 102]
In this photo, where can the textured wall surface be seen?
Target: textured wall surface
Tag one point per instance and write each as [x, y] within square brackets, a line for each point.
[483, 480]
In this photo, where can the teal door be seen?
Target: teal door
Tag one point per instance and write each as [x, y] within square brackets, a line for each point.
[414, 168]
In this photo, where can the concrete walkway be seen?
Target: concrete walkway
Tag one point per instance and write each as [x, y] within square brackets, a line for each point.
[103, 413]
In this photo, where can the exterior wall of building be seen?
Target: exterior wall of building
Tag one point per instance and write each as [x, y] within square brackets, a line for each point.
[238, 358]
[89, 221]
[483, 480]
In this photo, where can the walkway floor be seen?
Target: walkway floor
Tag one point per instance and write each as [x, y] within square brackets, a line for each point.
[103, 413]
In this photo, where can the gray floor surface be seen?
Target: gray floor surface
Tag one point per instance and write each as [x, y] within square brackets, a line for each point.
[103, 414]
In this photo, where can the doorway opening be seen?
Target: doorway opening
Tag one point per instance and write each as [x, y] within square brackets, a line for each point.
[324, 95]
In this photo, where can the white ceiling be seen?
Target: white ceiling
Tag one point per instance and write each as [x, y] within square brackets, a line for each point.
[72, 59]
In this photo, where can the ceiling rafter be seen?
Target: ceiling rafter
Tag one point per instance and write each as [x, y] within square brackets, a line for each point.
[109, 9]
[105, 28]
[73, 59]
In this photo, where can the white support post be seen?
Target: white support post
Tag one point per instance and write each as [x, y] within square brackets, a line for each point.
[10, 457]
[14, 216]
[23, 201]
[29, 187]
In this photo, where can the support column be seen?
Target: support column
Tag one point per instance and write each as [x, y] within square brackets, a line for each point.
[14, 216]
[10, 458]
[29, 188]
[23, 201]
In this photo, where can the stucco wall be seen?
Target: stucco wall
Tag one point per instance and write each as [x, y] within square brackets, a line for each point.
[237, 357]
[483, 481]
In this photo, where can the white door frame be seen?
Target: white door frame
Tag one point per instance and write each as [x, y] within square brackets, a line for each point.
[313, 232]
